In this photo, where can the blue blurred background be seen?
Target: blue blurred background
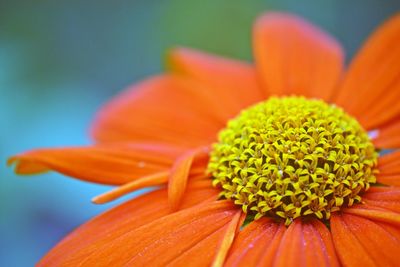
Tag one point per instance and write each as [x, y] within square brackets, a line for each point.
[61, 60]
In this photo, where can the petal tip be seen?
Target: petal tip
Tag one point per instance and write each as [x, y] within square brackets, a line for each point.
[12, 161]
[278, 17]
[97, 200]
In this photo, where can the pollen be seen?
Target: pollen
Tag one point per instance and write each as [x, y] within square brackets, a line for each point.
[293, 157]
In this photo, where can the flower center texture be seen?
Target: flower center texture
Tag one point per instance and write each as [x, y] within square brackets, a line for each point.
[293, 157]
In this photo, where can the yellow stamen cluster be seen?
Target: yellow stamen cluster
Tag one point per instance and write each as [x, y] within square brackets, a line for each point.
[290, 157]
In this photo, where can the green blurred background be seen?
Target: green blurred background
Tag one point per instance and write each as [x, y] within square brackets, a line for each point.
[61, 60]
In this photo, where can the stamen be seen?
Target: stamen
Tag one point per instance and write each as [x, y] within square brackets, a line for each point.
[292, 157]
[150, 180]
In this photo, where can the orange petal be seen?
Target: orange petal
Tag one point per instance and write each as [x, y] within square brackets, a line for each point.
[361, 242]
[124, 218]
[388, 135]
[167, 109]
[106, 164]
[257, 242]
[375, 213]
[392, 229]
[232, 81]
[383, 197]
[389, 169]
[179, 175]
[146, 181]
[265, 243]
[129, 215]
[393, 180]
[306, 244]
[157, 242]
[201, 253]
[227, 240]
[392, 158]
[199, 191]
[383, 111]
[295, 57]
[328, 248]
[371, 87]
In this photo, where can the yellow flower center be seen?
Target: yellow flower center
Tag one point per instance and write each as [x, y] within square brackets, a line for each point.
[290, 157]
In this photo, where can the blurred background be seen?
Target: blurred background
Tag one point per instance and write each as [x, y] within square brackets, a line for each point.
[61, 60]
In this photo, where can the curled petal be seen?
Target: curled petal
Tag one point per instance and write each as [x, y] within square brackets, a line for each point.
[180, 173]
[106, 164]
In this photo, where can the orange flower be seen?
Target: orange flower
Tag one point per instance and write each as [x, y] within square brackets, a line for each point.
[297, 182]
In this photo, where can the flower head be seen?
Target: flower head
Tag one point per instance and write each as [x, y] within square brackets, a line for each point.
[290, 161]
[293, 157]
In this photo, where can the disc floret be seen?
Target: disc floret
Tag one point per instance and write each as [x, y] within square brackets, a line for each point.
[290, 157]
